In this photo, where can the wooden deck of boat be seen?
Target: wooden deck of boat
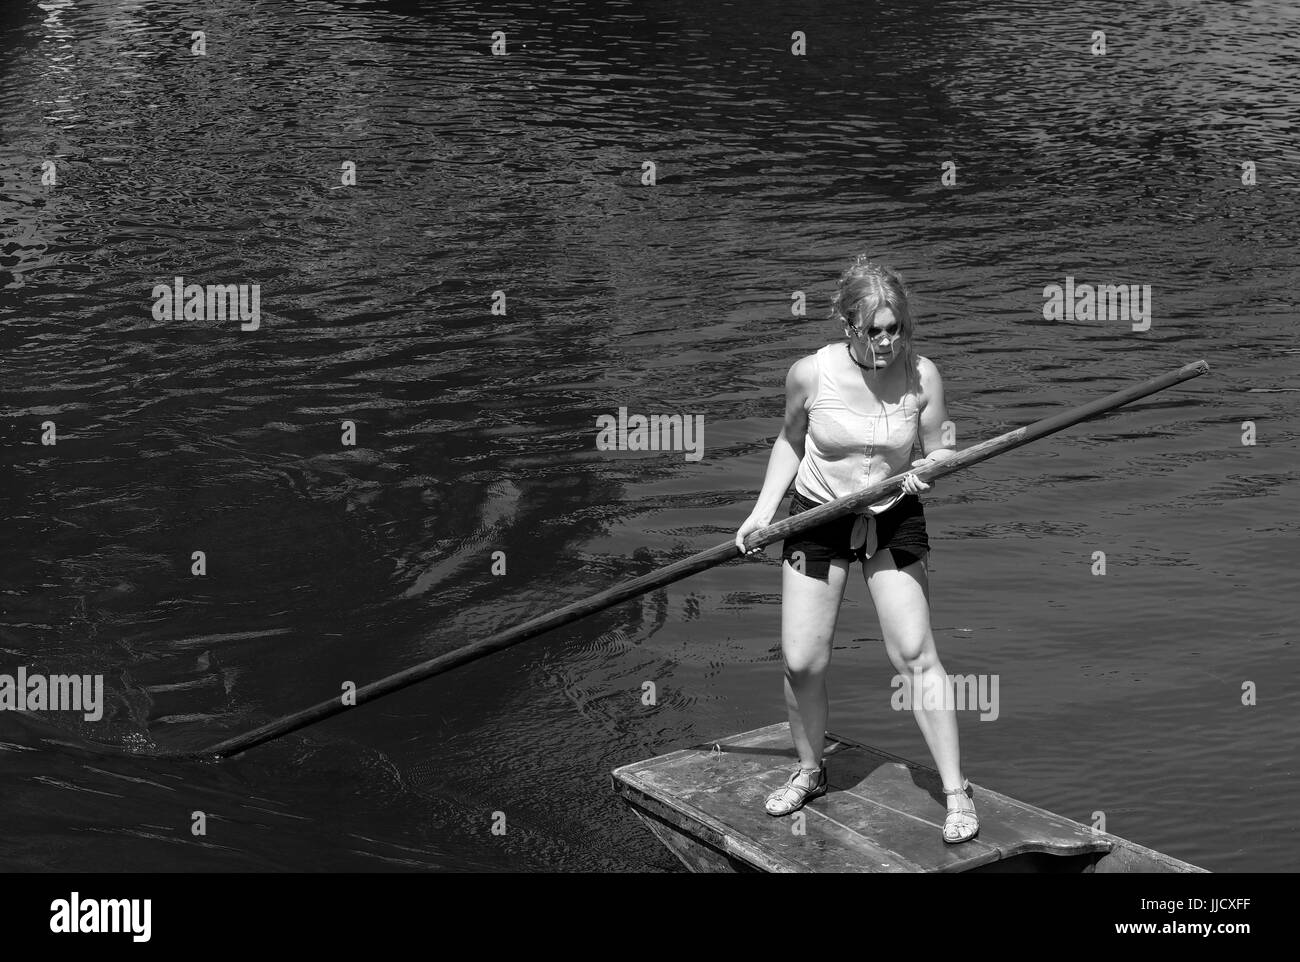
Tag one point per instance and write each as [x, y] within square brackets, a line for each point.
[881, 814]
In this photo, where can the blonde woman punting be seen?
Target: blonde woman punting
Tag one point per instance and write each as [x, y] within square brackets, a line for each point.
[854, 412]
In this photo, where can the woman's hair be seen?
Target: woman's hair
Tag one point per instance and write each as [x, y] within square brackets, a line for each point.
[864, 288]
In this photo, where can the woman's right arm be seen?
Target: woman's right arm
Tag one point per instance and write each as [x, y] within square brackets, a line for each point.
[787, 452]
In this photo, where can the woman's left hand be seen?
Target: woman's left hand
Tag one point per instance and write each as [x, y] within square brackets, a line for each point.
[914, 485]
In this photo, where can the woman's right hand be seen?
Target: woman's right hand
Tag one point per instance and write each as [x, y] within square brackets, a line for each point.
[752, 524]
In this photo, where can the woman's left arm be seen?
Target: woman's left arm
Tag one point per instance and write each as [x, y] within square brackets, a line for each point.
[933, 419]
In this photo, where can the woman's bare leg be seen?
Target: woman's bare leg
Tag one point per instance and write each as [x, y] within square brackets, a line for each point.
[809, 609]
[902, 601]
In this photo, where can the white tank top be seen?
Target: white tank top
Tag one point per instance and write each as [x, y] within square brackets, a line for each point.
[846, 450]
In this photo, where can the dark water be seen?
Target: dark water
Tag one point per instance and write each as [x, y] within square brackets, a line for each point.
[475, 173]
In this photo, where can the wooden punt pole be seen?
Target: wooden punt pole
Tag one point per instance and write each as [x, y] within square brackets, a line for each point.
[689, 566]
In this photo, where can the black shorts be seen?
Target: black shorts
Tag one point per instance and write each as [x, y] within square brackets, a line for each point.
[900, 528]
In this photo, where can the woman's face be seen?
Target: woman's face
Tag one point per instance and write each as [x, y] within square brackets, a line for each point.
[878, 338]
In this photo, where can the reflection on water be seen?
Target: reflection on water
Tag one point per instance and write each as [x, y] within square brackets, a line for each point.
[475, 432]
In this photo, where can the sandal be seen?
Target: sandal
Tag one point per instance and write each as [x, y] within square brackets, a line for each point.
[961, 825]
[796, 793]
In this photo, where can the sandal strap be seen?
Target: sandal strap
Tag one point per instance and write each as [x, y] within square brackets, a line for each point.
[787, 798]
[790, 795]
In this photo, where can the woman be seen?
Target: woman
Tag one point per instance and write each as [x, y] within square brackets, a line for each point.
[853, 413]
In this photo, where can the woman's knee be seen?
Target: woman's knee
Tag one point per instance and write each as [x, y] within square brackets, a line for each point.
[912, 654]
[806, 667]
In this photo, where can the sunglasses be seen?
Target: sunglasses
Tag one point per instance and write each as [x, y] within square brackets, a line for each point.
[876, 333]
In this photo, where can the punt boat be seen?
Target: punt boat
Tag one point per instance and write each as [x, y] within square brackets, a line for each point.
[882, 813]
